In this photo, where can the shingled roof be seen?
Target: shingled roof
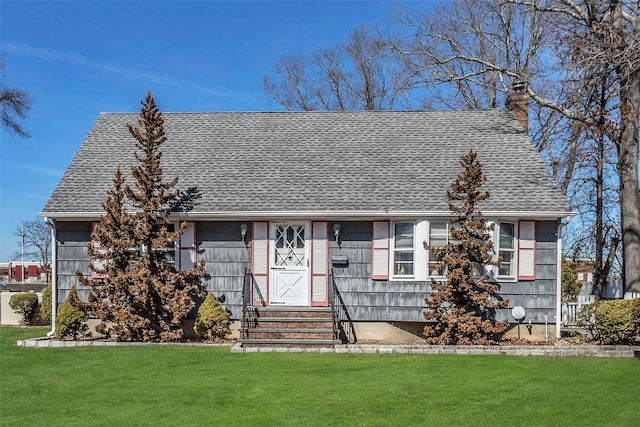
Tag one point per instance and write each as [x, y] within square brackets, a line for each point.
[356, 163]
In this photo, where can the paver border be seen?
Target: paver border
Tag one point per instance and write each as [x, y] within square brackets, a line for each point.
[496, 350]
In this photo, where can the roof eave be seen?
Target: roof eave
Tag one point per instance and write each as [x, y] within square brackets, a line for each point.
[333, 215]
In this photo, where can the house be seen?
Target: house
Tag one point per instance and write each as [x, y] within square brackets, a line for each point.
[21, 272]
[285, 193]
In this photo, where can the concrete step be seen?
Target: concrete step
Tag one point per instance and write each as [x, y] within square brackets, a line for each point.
[285, 326]
[288, 311]
[291, 322]
[291, 334]
[287, 343]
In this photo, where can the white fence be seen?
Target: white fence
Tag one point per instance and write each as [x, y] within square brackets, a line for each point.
[7, 315]
[571, 309]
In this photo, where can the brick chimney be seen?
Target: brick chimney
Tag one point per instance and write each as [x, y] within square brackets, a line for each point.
[518, 102]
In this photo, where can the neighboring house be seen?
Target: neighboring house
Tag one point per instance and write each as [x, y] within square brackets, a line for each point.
[584, 270]
[17, 271]
[284, 192]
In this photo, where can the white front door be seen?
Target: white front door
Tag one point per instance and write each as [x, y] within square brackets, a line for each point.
[289, 264]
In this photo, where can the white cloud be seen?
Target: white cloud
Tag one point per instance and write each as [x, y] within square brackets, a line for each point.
[43, 170]
[75, 59]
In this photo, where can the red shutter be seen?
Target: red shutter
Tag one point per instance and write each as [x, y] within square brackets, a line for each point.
[380, 255]
[260, 259]
[32, 271]
[319, 264]
[187, 253]
[98, 263]
[526, 250]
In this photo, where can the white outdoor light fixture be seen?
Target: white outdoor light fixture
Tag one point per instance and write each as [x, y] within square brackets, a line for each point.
[336, 231]
[243, 232]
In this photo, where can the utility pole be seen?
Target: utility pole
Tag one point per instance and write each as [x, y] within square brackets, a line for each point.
[22, 266]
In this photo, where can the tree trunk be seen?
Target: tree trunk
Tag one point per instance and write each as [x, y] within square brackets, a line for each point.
[606, 268]
[628, 170]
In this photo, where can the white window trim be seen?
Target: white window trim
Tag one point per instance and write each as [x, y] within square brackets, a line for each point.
[394, 250]
[420, 256]
[513, 277]
[439, 277]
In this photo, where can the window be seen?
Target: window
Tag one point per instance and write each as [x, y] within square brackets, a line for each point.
[438, 238]
[180, 254]
[507, 249]
[403, 248]
[170, 251]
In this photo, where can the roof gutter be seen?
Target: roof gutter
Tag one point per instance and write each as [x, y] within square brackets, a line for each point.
[331, 215]
[54, 278]
[561, 225]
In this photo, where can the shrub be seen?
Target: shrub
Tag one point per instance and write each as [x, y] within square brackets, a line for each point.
[570, 286]
[71, 320]
[213, 321]
[26, 305]
[617, 321]
[586, 318]
[45, 308]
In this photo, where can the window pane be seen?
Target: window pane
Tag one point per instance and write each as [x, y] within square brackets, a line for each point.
[505, 268]
[434, 268]
[300, 237]
[438, 228]
[170, 257]
[404, 235]
[438, 242]
[506, 236]
[403, 265]
[438, 238]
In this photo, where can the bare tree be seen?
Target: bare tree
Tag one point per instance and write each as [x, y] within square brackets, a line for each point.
[37, 243]
[477, 47]
[14, 105]
[359, 74]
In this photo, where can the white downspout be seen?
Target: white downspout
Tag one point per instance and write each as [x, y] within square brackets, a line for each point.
[54, 277]
[559, 276]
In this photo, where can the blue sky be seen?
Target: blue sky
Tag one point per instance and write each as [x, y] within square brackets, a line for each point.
[79, 58]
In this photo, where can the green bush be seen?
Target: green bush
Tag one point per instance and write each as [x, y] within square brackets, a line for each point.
[213, 321]
[71, 320]
[570, 286]
[586, 318]
[618, 321]
[26, 305]
[45, 308]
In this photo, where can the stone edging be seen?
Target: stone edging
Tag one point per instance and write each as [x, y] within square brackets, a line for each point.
[511, 350]
[47, 342]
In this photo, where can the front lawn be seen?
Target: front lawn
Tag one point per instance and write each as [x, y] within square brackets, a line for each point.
[180, 385]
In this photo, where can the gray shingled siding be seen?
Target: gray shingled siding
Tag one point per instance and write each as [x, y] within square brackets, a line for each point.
[404, 301]
[72, 239]
[537, 297]
[366, 299]
[225, 257]
[219, 245]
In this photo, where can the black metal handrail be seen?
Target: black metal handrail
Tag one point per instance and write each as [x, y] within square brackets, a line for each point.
[248, 288]
[246, 300]
[342, 324]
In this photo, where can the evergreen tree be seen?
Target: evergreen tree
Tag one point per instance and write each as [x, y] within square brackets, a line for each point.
[141, 297]
[213, 321]
[71, 320]
[463, 306]
[45, 307]
[570, 286]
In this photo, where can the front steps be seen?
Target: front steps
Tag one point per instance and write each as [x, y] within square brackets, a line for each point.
[285, 326]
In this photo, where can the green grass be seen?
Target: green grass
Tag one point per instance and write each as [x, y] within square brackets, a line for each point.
[178, 385]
